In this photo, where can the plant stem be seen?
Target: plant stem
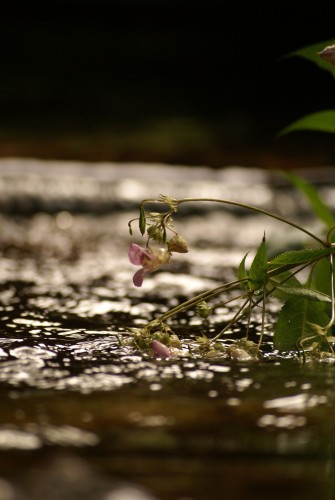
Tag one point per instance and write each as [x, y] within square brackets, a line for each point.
[332, 320]
[254, 209]
[249, 318]
[198, 298]
[263, 320]
[231, 322]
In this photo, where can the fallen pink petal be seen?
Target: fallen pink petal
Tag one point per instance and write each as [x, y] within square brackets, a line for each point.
[160, 350]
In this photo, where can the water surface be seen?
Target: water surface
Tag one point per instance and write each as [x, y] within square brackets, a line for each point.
[85, 411]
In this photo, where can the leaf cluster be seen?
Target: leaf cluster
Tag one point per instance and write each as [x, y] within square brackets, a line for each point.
[304, 305]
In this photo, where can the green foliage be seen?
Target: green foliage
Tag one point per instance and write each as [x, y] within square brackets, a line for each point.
[307, 316]
[306, 308]
[241, 273]
[320, 278]
[294, 322]
[284, 278]
[294, 258]
[308, 293]
[322, 121]
[258, 268]
[311, 53]
[320, 275]
[320, 209]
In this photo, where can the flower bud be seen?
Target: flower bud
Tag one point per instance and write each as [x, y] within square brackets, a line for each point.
[177, 244]
[155, 234]
[203, 311]
[328, 54]
[142, 220]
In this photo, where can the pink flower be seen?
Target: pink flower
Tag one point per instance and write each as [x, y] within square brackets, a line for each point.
[160, 350]
[149, 258]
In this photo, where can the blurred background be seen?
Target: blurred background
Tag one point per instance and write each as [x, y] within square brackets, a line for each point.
[178, 81]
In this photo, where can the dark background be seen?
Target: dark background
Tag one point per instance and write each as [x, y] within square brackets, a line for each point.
[195, 82]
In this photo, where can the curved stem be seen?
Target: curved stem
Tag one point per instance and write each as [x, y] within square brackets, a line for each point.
[254, 209]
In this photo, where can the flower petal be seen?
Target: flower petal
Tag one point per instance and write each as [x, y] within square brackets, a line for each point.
[138, 277]
[160, 350]
[137, 254]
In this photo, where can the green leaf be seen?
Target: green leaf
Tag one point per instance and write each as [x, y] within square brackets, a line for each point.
[294, 322]
[321, 121]
[319, 208]
[241, 272]
[311, 53]
[286, 278]
[321, 275]
[296, 257]
[308, 293]
[288, 285]
[258, 268]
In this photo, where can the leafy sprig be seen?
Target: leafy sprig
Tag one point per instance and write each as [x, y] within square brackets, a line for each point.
[307, 314]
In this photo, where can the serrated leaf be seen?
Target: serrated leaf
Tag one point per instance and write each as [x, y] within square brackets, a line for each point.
[296, 257]
[241, 272]
[294, 322]
[258, 268]
[286, 278]
[319, 208]
[321, 121]
[288, 285]
[308, 293]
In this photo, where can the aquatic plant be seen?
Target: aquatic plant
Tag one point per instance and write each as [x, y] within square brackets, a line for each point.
[307, 316]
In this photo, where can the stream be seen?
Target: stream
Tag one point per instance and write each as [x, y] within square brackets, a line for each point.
[87, 416]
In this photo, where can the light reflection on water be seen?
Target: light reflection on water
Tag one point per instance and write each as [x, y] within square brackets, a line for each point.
[67, 302]
[34, 437]
[65, 334]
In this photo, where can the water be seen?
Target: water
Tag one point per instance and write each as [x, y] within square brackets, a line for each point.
[85, 414]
